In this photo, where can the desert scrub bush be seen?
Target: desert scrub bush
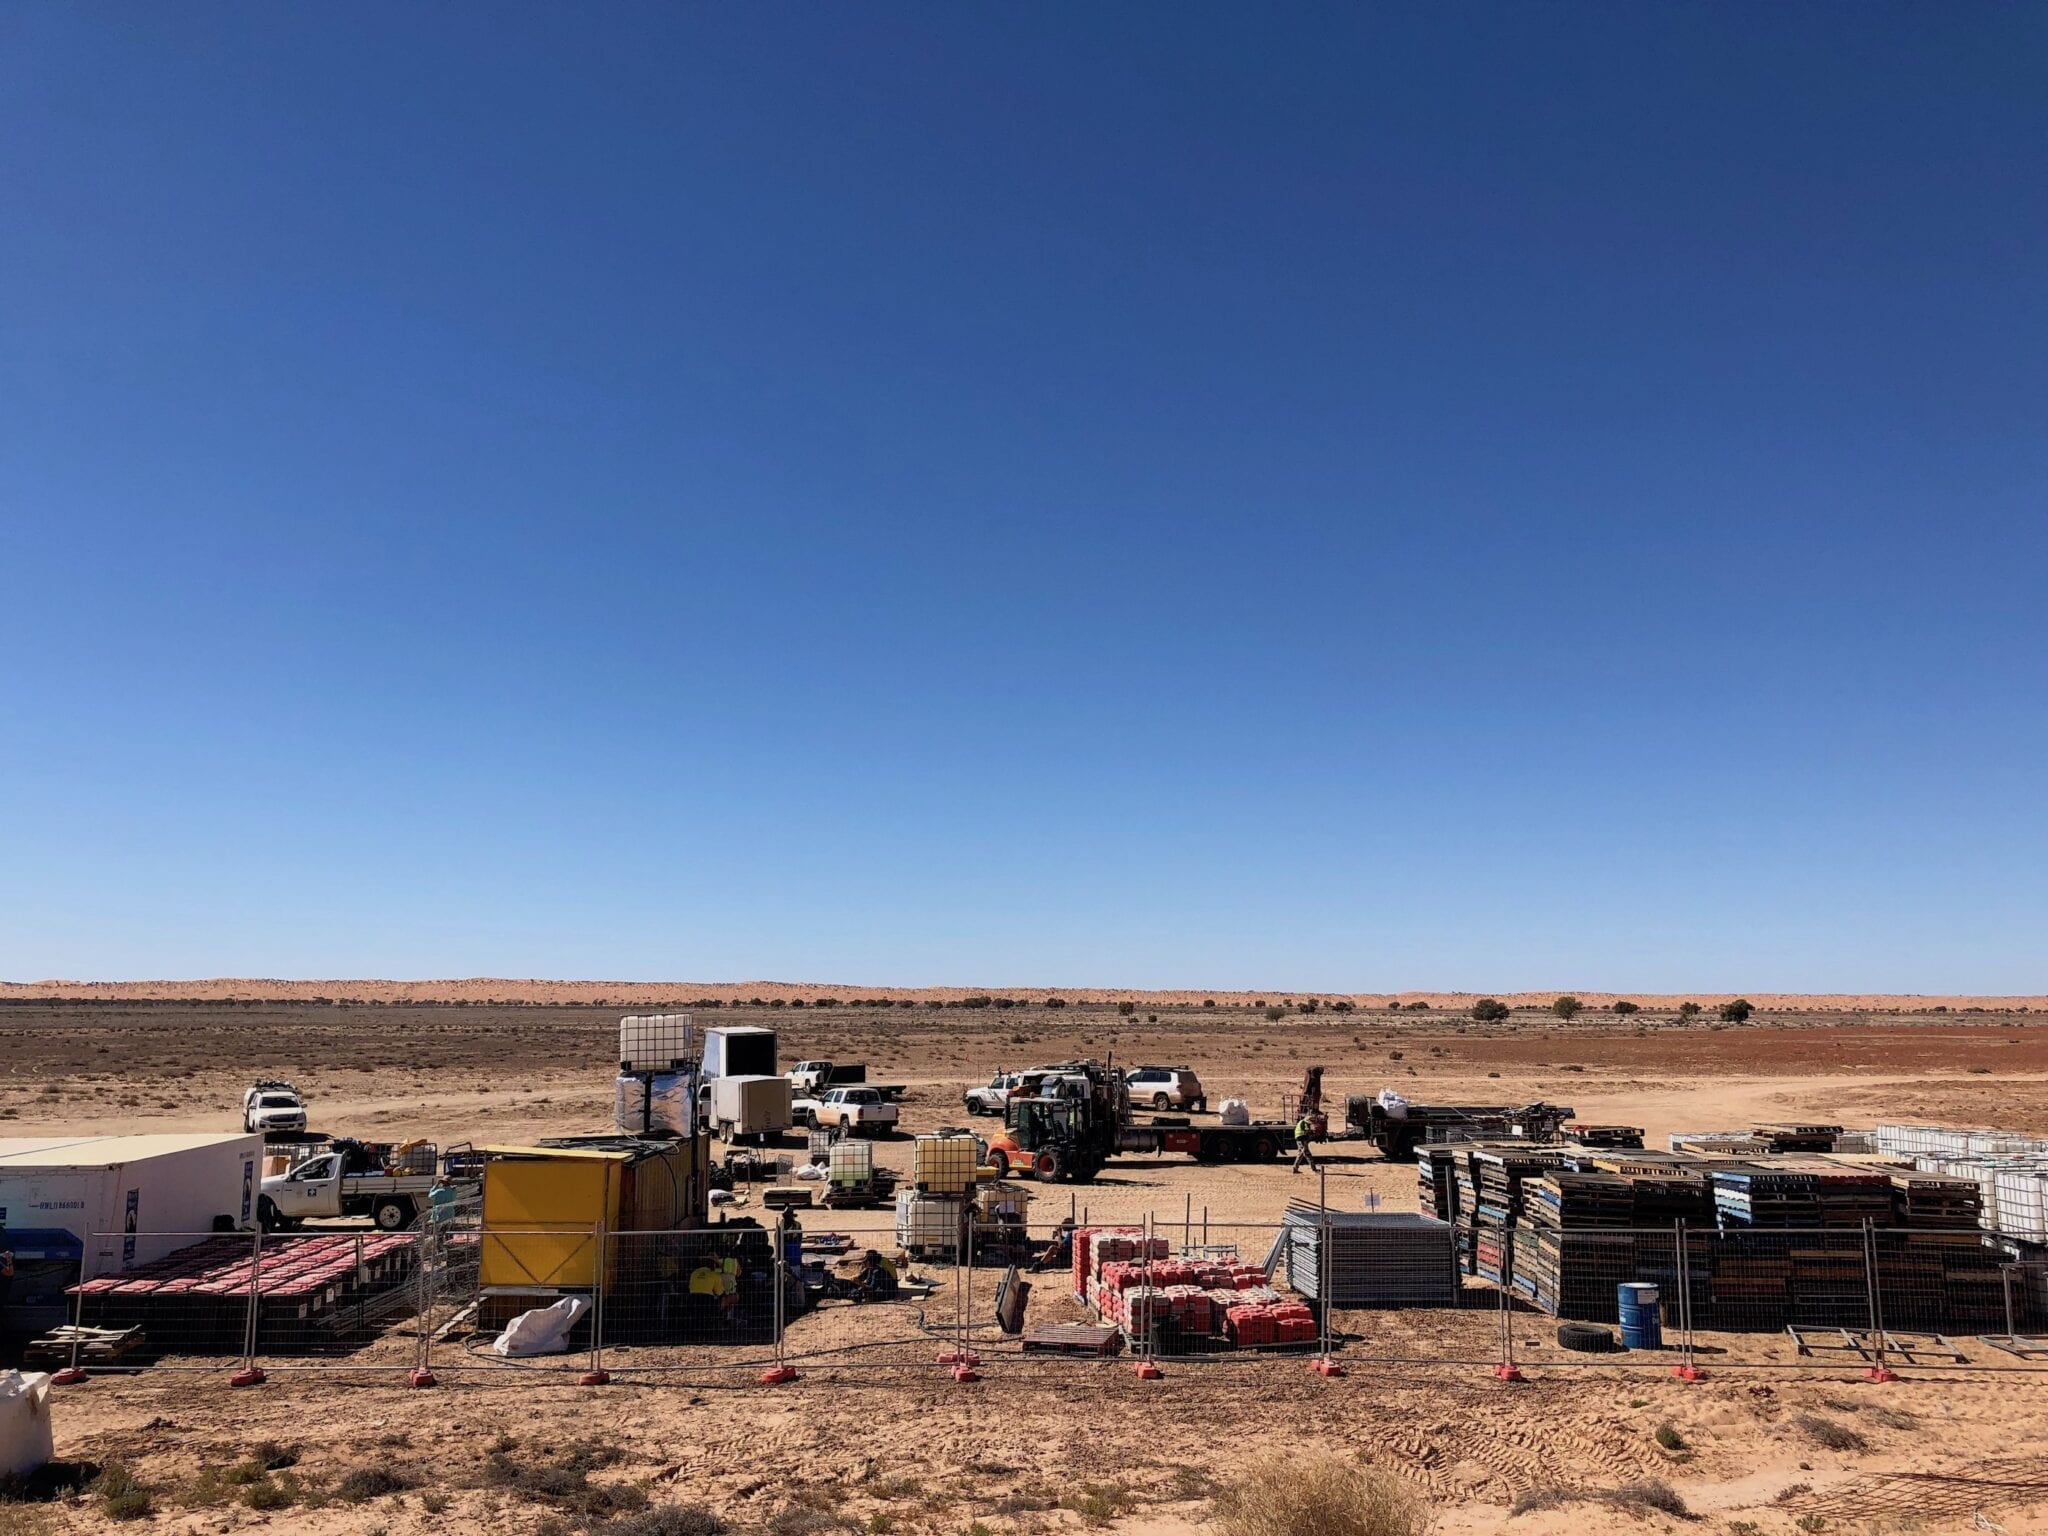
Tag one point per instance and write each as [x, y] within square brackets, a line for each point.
[670, 1520]
[121, 1495]
[265, 1493]
[1098, 1504]
[1567, 1007]
[1827, 1434]
[807, 1520]
[365, 1483]
[1317, 1496]
[1644, 1493]
[435, 1503]
[1489, 1010]
[1275, 1015]
[1669, 1438]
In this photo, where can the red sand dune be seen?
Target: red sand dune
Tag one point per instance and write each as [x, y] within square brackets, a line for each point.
[484, 989]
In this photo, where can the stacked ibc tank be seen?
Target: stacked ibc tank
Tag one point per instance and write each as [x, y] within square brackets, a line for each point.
[656, 1091]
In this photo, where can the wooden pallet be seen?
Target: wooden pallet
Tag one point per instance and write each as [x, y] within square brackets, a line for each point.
[90, 1346]
[1073, 1339]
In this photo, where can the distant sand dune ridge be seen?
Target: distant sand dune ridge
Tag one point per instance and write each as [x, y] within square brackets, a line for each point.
[633, 994]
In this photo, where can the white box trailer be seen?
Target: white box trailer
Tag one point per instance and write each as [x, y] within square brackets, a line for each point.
[739, 1050]
[749, 1108]
[126, 1200]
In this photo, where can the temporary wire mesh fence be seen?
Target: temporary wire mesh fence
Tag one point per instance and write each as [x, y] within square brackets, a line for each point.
[888, 1291]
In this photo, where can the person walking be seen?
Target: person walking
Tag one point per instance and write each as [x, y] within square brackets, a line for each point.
[1303, 1156]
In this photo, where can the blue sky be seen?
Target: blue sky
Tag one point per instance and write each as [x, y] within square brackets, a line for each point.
[1349, 498]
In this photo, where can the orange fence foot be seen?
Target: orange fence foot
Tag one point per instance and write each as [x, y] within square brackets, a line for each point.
[776, 1375]
[1323, 1365]
[1508, 1373]
[594, 1379]
[959, 1357]
[422, 1378]
[1688, 1373]
[69, 1376]
[965, 1371]
[1147, 1371]
[1880, 1373]
[252, 1377]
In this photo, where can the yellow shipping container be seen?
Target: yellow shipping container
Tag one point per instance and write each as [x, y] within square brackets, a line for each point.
[541, 1213]
[543, 1207]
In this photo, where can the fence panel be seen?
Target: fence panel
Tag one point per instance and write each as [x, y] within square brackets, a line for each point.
[1056, 1284]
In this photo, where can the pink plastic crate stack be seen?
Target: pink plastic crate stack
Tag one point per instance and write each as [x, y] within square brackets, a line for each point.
[1097, 1246]
[1229, 1300]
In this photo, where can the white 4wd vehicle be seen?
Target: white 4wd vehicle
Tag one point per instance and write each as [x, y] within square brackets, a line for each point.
[1166, 1087]
[991, 1098]
[860, 1111]
[273, 1105]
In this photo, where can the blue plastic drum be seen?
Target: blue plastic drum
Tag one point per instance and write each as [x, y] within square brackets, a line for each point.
[1642, 1318]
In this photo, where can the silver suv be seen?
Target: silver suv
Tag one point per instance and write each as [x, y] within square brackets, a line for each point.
[1166, 1087]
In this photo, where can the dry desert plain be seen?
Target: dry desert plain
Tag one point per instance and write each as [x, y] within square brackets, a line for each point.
[877, 1439]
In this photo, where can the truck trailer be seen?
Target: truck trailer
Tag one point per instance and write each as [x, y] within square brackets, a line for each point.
[1397, 1126]
[85, 1206]
[748, 1108]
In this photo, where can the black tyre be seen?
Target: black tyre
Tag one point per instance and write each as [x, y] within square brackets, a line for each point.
[1062, 1166]
[1211, 1149]
[1000, 1161]
[1585, 1338]
[1161, 1102]
[1263, 1150]
[810, 1119]
[267, 1216]
[393, 1214]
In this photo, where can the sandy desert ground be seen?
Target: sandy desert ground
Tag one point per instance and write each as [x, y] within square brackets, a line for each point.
[892, 1444]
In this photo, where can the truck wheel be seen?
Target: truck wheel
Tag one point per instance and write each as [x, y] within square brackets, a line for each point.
[1061, 1170]
[1208, 1150]
[266, 1214]
[1263, 1149]
[393, 1215]
[1000, 1161]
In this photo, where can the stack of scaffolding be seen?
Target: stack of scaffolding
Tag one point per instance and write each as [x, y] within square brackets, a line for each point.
[1374, 1258]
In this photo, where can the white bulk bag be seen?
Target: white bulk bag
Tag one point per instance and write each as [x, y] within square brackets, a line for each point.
[25, 1442]
[1235, 1112]
[543, 1331]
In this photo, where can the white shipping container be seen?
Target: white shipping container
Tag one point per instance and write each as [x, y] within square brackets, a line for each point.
[129, 1199]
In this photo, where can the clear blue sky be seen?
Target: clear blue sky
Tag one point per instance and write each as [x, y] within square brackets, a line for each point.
[1426, 496]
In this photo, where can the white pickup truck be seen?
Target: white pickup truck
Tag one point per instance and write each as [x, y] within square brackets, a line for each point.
[273, 1105]
[994, 1096]
[324, 1186]
[858, 1111]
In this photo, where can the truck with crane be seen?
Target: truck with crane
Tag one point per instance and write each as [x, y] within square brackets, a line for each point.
[1073, 1118]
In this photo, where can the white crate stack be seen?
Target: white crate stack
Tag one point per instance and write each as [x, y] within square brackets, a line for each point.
[2011, 1170]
